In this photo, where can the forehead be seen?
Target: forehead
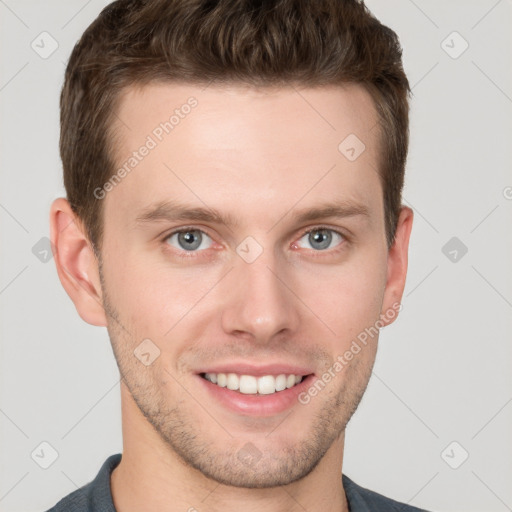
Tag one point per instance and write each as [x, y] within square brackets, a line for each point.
[238, 148]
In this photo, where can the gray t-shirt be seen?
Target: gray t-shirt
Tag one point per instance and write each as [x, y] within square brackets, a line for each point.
[96, 496]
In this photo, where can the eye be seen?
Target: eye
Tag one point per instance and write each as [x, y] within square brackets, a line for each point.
[321, 239]
[189, 240]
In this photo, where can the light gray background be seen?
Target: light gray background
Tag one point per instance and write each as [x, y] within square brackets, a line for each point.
[443, 371]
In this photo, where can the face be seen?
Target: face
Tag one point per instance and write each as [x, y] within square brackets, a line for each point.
[244, 242]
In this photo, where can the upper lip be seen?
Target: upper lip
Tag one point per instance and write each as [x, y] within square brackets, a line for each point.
[257, 370]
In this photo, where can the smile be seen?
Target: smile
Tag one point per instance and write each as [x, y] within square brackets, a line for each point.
[252, 385]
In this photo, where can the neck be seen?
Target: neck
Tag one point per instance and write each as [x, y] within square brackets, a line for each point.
[152, 477]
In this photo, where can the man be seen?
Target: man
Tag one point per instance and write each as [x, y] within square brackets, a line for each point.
[233, 173]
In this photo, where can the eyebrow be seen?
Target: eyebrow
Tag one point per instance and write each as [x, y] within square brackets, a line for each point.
[172, 211]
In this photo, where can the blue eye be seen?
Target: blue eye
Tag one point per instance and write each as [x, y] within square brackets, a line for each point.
[190, 240]
[321, 239]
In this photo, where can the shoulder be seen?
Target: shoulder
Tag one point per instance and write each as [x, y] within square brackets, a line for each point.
[365, 500]
[94, 496]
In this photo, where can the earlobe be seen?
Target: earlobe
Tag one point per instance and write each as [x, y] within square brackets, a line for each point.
[397, 266]
[76, 263]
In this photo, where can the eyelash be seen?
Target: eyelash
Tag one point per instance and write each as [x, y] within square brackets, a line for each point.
[336, 250]
[183, 254]
[191, 254]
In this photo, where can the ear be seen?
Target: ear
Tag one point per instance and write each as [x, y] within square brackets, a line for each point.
[77, 265]
[397, 266]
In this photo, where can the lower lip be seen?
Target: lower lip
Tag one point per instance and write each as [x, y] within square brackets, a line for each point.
[257, 405]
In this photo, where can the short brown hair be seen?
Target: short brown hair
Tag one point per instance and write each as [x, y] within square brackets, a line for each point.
[260, 43]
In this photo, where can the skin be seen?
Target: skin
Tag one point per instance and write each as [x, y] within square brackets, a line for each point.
[259, 156]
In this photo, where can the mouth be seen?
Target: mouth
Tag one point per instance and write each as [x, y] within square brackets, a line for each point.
[263, 395]
[252, 384]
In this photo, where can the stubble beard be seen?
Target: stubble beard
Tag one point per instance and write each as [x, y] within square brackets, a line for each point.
[187, 437]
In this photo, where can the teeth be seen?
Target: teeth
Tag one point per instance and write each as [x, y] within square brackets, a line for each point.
[281, 382]
[212, 377]
[248, 384]
[251, 385]
[233, 382]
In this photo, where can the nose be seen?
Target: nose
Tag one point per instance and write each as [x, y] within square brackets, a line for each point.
[259, 304]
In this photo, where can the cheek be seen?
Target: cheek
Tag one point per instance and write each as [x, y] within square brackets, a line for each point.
[138, 294]
[153, 298]
[347, 298]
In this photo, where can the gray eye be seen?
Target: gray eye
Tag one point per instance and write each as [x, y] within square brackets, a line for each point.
[321, 239]
[190, 240]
